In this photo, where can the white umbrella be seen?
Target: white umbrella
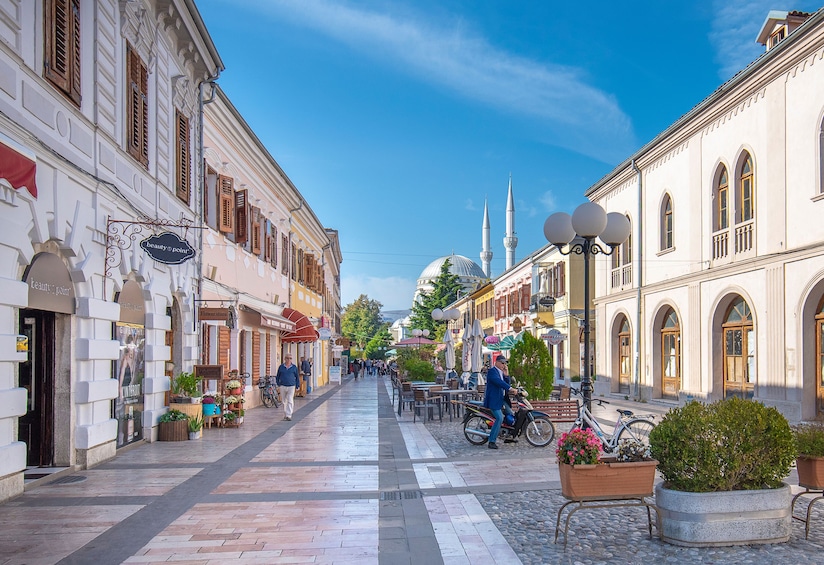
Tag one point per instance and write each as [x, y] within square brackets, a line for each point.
[467, 346]
[477, 344]
[450, 350]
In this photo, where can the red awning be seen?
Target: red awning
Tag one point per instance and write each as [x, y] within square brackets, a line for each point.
[304, 330]
[17, 169]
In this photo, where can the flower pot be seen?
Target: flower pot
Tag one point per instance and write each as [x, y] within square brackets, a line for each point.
[609, 480]
[194, 435]
[720, 519]
[810, 472]
[173, 431]
[235, 390]
[209, 409]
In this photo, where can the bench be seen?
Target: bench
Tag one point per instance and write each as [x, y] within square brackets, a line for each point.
[557, 410]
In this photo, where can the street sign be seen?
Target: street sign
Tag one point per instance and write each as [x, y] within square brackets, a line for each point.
[554, 337]
[168, 248]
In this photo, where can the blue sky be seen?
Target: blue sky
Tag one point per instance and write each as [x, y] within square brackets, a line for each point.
[396, 118]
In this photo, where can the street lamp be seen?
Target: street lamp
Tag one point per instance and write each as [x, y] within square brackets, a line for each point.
[420, 333]
[579, 231]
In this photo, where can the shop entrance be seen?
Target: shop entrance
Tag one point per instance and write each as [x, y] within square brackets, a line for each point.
[36, 428]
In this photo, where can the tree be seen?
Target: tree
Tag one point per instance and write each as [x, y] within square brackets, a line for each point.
[361, 320]
[531, 365]
[444, 292]
[379, 344]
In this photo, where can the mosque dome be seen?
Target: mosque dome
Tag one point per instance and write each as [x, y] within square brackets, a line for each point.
[459, 265]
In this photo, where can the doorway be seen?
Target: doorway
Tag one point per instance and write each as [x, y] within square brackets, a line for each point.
[36, 373]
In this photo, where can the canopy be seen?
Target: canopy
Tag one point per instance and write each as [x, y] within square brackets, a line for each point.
[17, 169]
[304, 331]
[506, 343]
[415, 341]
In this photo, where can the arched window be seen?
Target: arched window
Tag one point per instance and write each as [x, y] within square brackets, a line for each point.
[739, 351]
[670, 356]
[666, 223]
[722, 201]
[746, 194]
[625, 357]
[622, 262]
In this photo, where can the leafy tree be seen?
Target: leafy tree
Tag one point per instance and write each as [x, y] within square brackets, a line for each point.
[531, 365]
[416, 363]
[444, 292]
[361, 320]
[379, 344]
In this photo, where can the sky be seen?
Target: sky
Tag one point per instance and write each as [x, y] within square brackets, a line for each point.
[397, 119]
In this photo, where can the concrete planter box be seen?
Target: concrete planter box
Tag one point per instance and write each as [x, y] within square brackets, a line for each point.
[719, 519]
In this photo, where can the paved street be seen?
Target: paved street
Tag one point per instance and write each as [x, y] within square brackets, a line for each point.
[346, 481]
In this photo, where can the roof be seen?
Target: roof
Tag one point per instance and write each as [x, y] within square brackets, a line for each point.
[459, 266]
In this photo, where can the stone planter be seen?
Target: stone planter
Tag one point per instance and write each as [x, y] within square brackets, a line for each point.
[720, 519]
[609, 480]
[810, 472]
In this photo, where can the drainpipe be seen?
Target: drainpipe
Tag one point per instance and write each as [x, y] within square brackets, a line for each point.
[291, 259]
[640, 246]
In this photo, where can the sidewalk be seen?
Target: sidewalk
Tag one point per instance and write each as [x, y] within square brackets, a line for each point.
[346, 481]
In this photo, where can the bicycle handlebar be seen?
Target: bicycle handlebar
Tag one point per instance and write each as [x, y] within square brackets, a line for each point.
[578, 392]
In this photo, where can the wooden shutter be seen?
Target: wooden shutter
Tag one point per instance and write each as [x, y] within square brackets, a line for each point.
[205, 341]
[207, 170]
[241, 217]
[226, 192]
[223, 346]
[268, 353]
[242, 364]
[62, 50]
[284, 254]
[525, 298]
[562, 276]
[255, 357]
[295, 273]
[183, 166]
[137, 121]
[255, 231]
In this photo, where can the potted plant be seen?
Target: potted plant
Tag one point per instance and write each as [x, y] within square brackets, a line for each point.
[185, 387]
[809, 441]
[209, 403]
[229, 418]
[585, 475]
[172, 426]
[240, 414]
[234, 386]
[723, 466]
[195, 427]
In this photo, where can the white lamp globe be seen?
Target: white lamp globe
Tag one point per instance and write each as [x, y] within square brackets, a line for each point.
[558, 229]
[425, 333]
[416, 332]
[454, 313]
[437, 314]
[617, 230]
[589, 220]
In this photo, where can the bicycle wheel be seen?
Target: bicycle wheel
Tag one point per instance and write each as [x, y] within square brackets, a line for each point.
[268, 399]
[540, 431]
[476, 424]
[638, 430]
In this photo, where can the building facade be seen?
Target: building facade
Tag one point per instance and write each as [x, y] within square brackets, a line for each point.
[720, 290]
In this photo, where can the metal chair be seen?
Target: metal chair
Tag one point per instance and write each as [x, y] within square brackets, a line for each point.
[428, 403]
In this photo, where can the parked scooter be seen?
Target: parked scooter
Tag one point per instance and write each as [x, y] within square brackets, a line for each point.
[535, 425]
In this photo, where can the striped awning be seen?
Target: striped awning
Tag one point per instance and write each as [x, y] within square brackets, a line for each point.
[304, 330]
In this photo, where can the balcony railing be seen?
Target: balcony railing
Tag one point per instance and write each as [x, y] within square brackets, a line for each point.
[622, 276]
[744, 237]
[720, 244]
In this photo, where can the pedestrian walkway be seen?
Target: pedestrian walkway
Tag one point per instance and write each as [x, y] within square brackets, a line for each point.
[346, 481]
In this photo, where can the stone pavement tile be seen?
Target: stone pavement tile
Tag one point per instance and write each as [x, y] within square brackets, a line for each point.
[102, 482]
[301, 479]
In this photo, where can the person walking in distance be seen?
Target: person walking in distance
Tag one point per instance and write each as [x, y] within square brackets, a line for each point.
[287, 379]
[496, 389]
[306, 372]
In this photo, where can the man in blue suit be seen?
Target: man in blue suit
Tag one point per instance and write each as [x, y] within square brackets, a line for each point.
[496, 389]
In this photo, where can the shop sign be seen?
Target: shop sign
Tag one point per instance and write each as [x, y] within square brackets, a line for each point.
[517, 324]
[554, 337]
[213, 314]
[324, 333]
[168, 248]
[276, 323]
[208, 372]
[132, 305]
[50, 286]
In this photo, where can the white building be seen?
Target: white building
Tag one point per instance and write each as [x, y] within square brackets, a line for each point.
[720, 289]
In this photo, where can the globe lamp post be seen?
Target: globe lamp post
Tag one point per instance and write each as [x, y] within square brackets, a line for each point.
[579, 232]
[420, 333]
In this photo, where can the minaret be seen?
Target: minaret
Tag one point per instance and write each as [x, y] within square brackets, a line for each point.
[486, 251]
[510, 241]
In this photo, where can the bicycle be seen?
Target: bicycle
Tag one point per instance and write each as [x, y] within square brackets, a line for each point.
[269, 395]
[628, 427]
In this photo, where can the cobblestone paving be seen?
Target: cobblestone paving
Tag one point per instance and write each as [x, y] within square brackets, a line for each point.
[527, 521]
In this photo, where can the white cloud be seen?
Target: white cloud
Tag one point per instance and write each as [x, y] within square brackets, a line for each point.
[734, 28]
[469, 204]
[548, 201]
[395, 293]
[575, 114]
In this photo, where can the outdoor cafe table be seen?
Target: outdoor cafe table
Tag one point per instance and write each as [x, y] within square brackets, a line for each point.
[453, 394]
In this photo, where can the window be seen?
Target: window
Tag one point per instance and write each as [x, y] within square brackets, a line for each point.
[722, 201]
[226, 204]
[625, 357]
[183, 165]
[622, 263]
[254, 231]
[666, 223]
[271, 249]
[61, 66]
[284, 257]
[739, 351]
[777, 36]
[137, 108]
[241, 217]
[746, 184]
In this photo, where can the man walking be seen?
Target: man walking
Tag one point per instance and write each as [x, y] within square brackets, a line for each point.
[287, 379]
[496, 388]
[306, 370]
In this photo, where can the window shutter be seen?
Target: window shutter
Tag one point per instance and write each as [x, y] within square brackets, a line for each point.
[563, 278]
[183, 161]
[273, 257]
[74, 74]
[205, 341]
[144, 114]
[242, 362]
[62, 49]
[241, 217]
[137, 122]
[255, 357]
[255, 231]
[268, 353]
[294, 257]
[284, 254]
[223, 345]
[226, 224]
[525, 298]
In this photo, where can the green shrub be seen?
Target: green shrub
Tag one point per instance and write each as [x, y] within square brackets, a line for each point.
[185, 384]
[173, 416]
[420, 370]
[531, 365]
[809, 440]
[732, 444]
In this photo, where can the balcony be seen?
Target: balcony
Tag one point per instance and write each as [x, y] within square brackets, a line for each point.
[622, 276]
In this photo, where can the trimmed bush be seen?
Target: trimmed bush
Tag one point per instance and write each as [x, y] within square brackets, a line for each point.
[809, 440]
[731, 444]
